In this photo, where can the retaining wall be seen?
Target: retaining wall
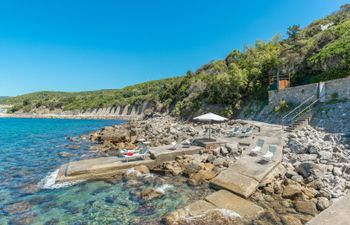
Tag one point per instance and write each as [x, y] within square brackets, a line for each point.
[298, 94]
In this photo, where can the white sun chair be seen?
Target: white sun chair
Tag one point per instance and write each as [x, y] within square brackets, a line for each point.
[257, 149]
[247, 133]
[140, 155]
[269, 154]
[186, 144]
[234, 132]
[174, 146]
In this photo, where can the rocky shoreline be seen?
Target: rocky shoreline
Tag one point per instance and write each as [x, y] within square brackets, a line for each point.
[314, 172]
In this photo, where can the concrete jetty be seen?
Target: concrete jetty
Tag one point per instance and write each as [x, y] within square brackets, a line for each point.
[104, 167]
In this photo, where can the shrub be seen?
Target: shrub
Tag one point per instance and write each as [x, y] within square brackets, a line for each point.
[283, 106]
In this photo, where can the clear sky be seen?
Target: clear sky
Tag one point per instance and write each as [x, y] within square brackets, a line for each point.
[78, 45]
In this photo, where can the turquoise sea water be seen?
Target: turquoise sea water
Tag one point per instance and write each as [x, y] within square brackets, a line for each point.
[29, 158]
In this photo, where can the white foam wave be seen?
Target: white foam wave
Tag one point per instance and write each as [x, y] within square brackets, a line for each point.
[226, 213]
[164, 187]
[49, 182]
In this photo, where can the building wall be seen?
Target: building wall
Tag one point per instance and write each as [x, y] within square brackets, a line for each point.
[299, 94]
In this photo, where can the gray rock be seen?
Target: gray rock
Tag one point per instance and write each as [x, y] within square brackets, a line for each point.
[297, 178]
[296, 147]
[216, 151]
[307, 169]
[313, 149]
[219, 162]
[211, 158]
[308, 157]
[192, 168]
[224, 151]
[337, 171]
[325, 155]
[232, 147]
[322, 203]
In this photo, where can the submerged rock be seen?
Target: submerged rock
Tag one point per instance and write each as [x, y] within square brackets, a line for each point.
[150, 194]
[66, 154]
[209, 217]
[18, 207]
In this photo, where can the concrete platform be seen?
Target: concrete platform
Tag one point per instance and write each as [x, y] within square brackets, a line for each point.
[199, 207]
[108, 166]
[250, 166]
[235, 182]
[226, 200]
[96, 168]
[337, 214]
[218, 200]
[163, 153]
[244, 176]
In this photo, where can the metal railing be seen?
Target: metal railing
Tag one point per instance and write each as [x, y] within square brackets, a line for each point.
[308, 107]
[284, 118]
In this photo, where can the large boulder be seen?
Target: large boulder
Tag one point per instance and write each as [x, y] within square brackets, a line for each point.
[309, 169]
[292, 191]
[192, 168]
[201, 176]
[296, 147]
[322, 203]
[306, 207]
[173, 167]
[313, 148]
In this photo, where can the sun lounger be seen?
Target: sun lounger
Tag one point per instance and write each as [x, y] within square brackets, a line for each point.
[186, 144]
[257, 149]
[139, 148]
[234, 132]
[247, 133]
[269, 154]
[133, 156]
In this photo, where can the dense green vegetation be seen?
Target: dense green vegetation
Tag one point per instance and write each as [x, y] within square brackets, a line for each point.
[319, 52]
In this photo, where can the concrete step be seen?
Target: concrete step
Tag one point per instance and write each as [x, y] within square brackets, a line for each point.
[236, 183]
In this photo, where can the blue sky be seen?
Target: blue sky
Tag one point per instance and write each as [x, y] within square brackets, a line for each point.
[81, 45]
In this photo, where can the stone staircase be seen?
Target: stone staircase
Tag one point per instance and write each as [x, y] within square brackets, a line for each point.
[300, 122]
[301, 115]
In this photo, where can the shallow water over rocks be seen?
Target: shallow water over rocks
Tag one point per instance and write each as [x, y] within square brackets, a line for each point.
[30, 155]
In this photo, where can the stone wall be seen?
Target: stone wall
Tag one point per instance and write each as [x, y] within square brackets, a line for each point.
[340, 87]
[299, 94]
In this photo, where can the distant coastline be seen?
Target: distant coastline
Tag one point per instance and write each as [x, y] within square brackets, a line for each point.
[65, 116]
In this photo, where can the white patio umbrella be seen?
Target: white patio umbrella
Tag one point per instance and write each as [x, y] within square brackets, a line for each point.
[210, 117]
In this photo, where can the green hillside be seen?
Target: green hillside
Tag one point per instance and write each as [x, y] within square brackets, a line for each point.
[320, 51]
[3, 97]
